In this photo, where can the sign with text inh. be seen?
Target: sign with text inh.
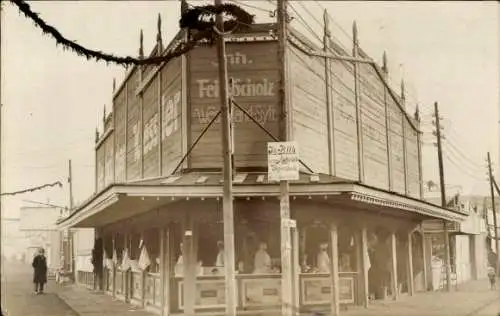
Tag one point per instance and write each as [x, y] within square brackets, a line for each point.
[282, 161]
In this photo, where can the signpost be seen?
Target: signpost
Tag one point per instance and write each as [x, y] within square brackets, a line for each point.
[283, 166]
[282, 161]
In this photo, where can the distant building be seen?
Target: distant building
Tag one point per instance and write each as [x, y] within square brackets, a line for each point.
[39, 225]
[468, 241]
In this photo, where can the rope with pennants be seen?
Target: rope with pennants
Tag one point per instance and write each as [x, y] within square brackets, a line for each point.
[198, 20]
[57, 183]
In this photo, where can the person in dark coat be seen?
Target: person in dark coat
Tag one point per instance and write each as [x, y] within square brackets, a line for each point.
[97, 262]
[40, 271]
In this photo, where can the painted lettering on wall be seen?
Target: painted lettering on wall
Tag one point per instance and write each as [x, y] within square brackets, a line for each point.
[151, 134]
[170, 114]
[136, 142]
[119, 161]
[235, 58]
[262, 113]
[209, 88]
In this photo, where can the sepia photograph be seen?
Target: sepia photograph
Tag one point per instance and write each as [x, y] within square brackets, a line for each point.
[250, 158]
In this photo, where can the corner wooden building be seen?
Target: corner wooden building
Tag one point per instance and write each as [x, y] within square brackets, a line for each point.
[159, 186]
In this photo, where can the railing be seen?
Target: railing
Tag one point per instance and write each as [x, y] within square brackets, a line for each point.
[86, 278]
[136, 285]
[152, 291]
[263, 291]
[108, 280]
[119, 284]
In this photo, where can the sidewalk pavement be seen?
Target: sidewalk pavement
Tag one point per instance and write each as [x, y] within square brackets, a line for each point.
[90, 303]
[18, 298]
[471, 299]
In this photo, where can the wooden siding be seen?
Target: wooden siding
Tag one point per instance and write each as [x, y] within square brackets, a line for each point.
[412, 163]
[253, 68]
[151, 129]
[309, 110]
[396, 139]
[374, 134]
[344, 120]
[171, 97]
[100, 164]
[133, 129]
[120, 112]
[108, 159]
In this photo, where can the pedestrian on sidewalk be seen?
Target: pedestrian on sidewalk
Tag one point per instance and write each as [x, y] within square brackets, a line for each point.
[493, 277]
[40, 271]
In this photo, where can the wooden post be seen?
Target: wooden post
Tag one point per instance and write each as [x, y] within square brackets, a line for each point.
[424, 261]
[227, 199]
[287, 290]
[296, 267]
[329, 94]
[495, 224]
[357, 97]
[428, 258]
[125, 159]
[114, 265]
[394, 266]
[404, 123]
[364, 266]
[419, 142]
[387, 96]
[334, 268]
[163, 268]
[446, 234]
[411, 287]
[190, 273]
[141, 110]
[160, 125]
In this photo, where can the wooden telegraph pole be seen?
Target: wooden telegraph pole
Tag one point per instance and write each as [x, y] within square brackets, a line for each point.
[227, 199]
[446, 234]
[287, 283]
[71, 257]
[495, 227]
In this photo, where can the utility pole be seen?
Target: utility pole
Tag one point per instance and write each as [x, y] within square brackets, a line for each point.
[287, 283]
[70, 256]
[446, 234]
[227, 199]
[70, 184]
[495, 226]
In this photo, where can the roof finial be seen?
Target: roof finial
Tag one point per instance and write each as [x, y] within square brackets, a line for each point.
[141, 45]
[417, 114]
[104, 114]
[403, 94]
[184, 6]
[326, 24]
[355, 33]
[385, 66]
[114, 85]
[96, 134]
[158, 34]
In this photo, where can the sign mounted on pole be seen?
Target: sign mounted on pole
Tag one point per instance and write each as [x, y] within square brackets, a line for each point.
[282, 161]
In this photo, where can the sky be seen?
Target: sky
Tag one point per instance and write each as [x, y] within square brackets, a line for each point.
[52, 100]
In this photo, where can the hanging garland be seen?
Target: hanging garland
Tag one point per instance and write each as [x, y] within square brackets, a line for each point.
[34, 189]
[192, 19]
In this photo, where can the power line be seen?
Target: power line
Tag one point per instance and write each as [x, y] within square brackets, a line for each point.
[465, 171]
[461, 154]
[57, 183]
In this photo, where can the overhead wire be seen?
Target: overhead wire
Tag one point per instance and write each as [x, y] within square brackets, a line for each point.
[464, 157]
[460, 168]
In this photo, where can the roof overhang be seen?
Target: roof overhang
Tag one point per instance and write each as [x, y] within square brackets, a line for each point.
[145, 197]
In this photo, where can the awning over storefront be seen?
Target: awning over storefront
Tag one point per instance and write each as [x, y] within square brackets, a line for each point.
[119, 201]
